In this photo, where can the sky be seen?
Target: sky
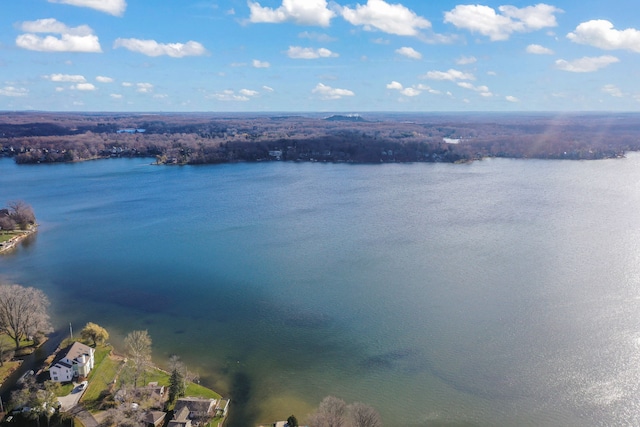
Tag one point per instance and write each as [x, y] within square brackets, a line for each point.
[318, 55]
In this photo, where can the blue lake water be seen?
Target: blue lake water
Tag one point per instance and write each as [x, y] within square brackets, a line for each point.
[496, 293]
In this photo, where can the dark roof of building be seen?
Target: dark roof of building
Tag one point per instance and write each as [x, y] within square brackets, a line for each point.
[72, 352]
[196, 404]
[154, 417]
[181, 414]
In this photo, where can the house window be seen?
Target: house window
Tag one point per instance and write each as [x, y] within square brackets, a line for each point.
[55, 378]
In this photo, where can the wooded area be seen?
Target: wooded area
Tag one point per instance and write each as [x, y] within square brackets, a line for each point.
[199, 138]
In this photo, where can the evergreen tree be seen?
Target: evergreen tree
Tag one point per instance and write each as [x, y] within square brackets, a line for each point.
[176, 385]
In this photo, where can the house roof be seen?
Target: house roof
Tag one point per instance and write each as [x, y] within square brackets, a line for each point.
[61, 363]
[72, 352]
[154, 417]
[78, 349]
[196, 404]
[181, 414]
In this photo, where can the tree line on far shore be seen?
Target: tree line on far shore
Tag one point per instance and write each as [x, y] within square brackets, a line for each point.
[211, 139]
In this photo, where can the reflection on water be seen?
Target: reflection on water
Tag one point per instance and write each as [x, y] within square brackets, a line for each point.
[497, 293]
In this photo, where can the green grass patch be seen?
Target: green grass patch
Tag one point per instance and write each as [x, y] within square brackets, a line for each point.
[193, 389]
[105, 370]
[8, 368]
[100, 378]
[65, 389]
[196, 390]
[5, 237]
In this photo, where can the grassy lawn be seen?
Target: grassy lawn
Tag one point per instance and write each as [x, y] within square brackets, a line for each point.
[7, 235]
[11, 365]
[8, 368]
[194, 390]
[105, 371]
[100, 378]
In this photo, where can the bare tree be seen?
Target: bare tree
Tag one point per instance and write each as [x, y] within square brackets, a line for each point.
[331, 413]
[138, 345]
[23, 312]
[21, 213]
[362, 415]
[123, 416]
[6, 223]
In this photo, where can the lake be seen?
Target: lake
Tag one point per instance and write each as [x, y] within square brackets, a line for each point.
[496, 293]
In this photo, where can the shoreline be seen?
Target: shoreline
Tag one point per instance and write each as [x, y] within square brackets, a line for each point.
[13, 242]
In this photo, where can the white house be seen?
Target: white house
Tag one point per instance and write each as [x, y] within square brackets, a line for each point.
[72, 362]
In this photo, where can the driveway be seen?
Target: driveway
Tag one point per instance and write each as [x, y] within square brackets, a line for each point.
[70, 400]
[84, 416]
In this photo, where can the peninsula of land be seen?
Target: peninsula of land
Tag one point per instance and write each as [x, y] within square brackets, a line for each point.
[208, 138]
[17, 222]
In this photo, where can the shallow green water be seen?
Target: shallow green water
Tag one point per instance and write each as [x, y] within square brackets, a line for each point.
[501, 292]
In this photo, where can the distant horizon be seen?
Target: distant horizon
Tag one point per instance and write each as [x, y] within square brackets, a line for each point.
[314, 112]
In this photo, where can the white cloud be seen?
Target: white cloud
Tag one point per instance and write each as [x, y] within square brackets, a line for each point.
[482, 90]
[586, 64]
[267, 88]
[260, 64]
[327, 92]
[466, 60]
[13, 91]
[428, 89]
[59, 89]
[537, 49]
[301, 12]
[409, 52]
[71, 39]
[389, 18]
[127, 84]
[84, 87]
[249, 92]
[600, 33]
[69, 78]
[451, 75]
[113, 7]
[410, 91]
[612, 90]
[116, 96]
[499, 26]
[229, 95]
[66, 43]
[103, 79]
[51, 25]
[144, 87]
[297, 52]
[153, 48]
[511, 98]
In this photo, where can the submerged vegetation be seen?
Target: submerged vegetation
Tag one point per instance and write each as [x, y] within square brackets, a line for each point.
[214, 138]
